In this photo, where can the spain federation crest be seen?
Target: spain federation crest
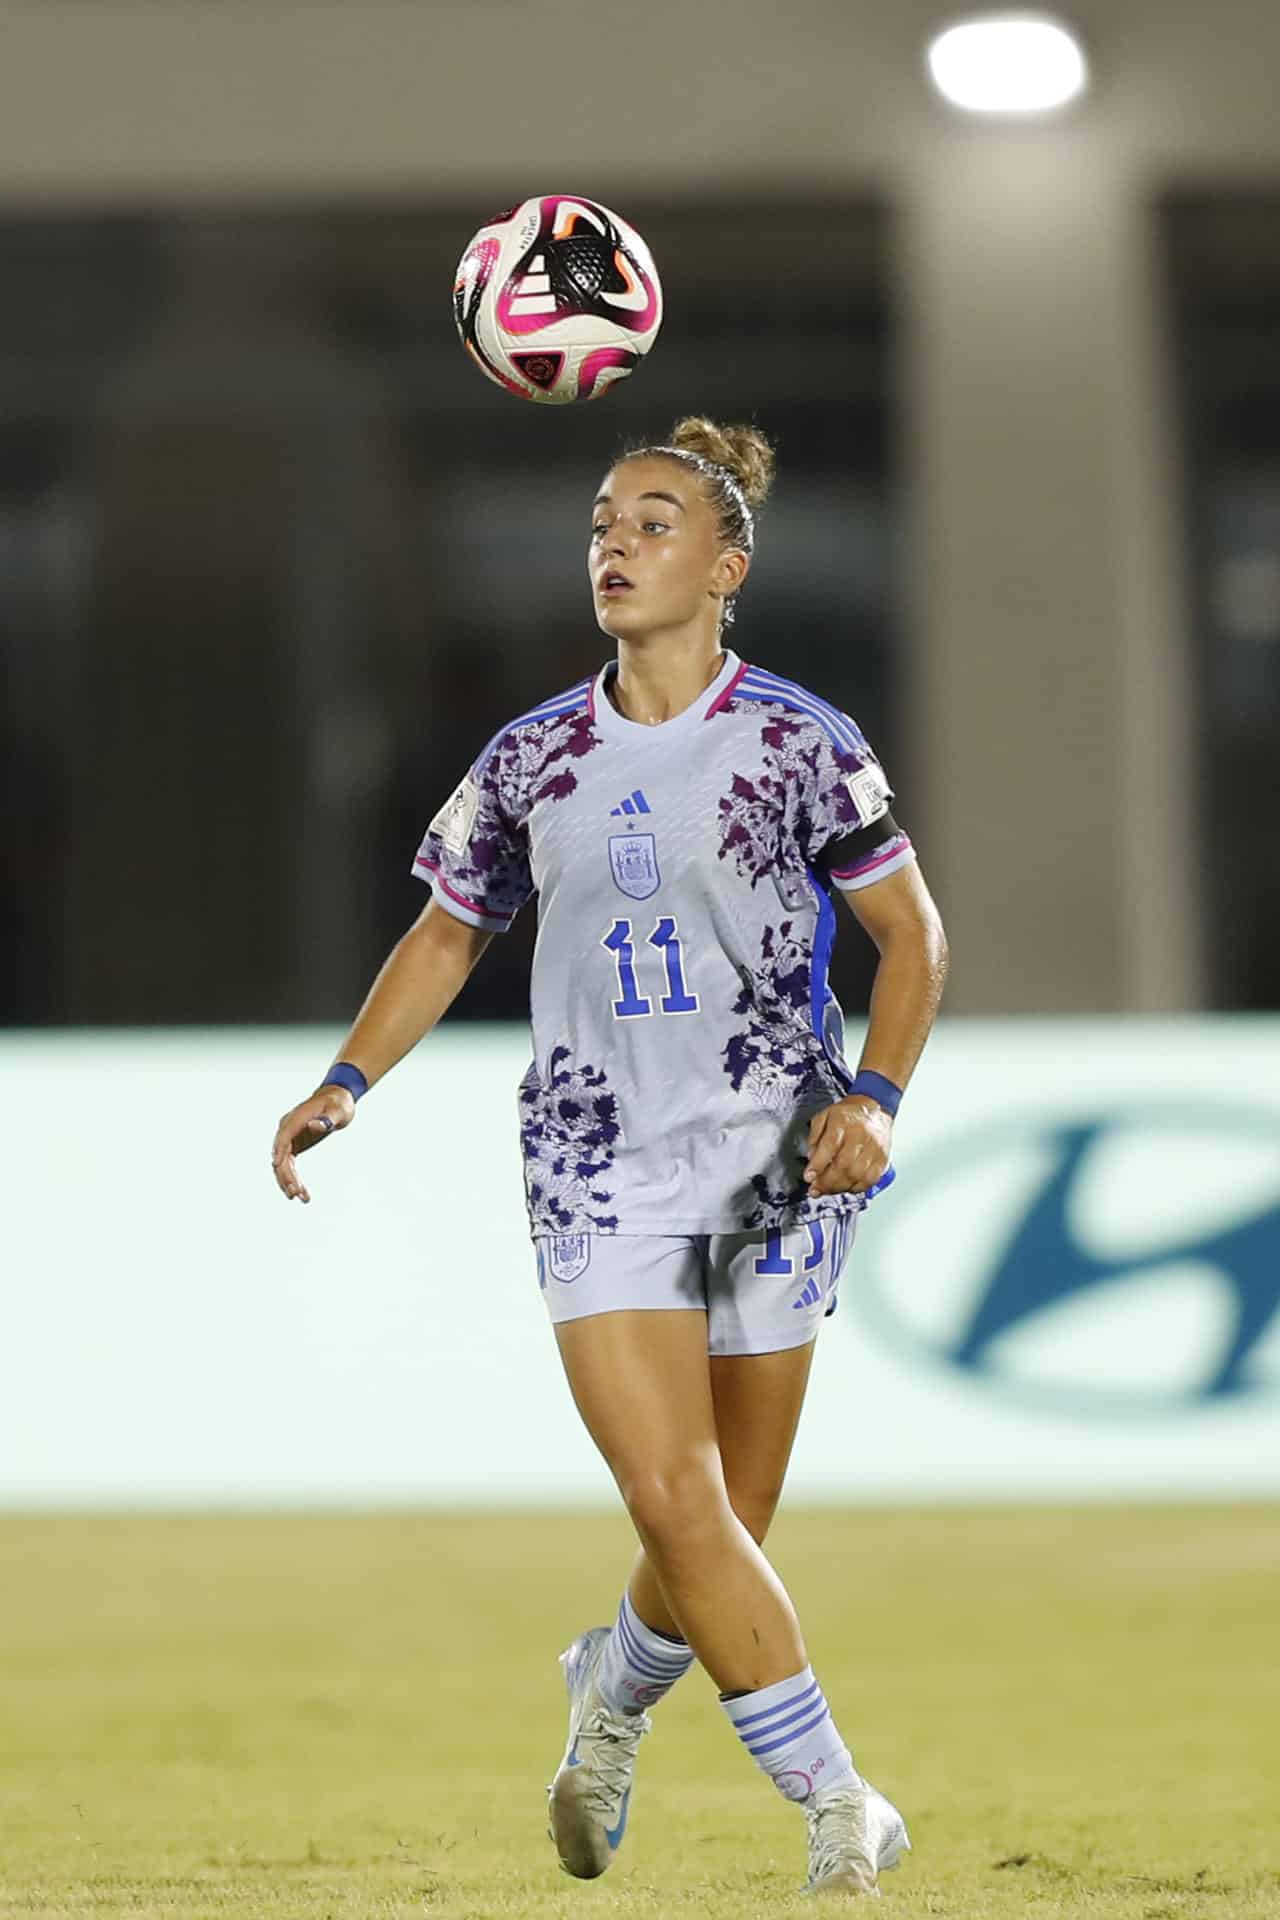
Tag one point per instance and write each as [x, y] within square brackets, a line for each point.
[569, 1255]
[634, 859]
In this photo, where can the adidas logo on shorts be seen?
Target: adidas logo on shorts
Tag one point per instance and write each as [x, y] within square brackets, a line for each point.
[810, 1297]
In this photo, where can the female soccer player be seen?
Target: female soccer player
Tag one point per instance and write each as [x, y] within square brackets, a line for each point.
[696, 1150]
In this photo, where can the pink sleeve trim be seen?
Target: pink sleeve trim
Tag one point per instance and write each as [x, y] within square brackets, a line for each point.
[458, 905]
[898, 854]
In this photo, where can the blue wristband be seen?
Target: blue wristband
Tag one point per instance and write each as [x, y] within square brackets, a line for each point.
[877, 1088]
[343, 1074]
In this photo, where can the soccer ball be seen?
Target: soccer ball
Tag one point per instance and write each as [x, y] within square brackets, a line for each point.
[557, 299]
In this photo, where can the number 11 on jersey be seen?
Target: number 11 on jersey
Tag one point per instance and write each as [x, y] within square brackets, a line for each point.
[631, 1004]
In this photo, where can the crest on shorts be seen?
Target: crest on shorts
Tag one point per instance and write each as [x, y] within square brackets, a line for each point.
[568, 1255]
[634, 859]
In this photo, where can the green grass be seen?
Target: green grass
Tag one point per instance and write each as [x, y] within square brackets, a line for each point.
[1078, 1711]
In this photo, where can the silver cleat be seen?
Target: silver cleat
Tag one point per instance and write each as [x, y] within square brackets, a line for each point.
[855, 1835]
[590, 1795]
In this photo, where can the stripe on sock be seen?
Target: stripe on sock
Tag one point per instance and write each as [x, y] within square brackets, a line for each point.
[637, 1657]
[815, 1719]
[660, 1669]
[785, 1721]
[768, 1713]
[788, 1731]
[638, 1665]
[658, 1646]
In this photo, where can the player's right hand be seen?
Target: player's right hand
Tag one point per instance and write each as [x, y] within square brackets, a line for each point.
[328, 1110]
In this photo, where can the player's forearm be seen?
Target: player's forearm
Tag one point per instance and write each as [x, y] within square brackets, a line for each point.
[419, 981]
[904, 1000]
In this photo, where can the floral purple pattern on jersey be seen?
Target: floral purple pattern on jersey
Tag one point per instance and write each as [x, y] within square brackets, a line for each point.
[780, 1205]
[800, 802]
[527, 764]
[568, 1126]
[538, 759]
[776, 1058]
[751, 815]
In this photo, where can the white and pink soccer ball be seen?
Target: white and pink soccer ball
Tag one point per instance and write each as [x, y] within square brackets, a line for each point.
[557, 299]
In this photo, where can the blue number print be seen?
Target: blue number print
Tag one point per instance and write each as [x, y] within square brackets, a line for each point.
[631, 1003]
[676, 999]
[773, 1260]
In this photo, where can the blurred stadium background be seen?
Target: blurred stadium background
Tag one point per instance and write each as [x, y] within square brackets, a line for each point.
[274, 562]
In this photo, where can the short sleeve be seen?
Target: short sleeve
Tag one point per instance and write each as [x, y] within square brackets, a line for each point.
[475, 854]
[843, 824]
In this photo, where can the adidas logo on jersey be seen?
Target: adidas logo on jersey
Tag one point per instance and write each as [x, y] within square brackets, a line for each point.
[810, 1297]
[635, 803]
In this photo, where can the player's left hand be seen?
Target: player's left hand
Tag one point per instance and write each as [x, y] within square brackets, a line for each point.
[849, 1145]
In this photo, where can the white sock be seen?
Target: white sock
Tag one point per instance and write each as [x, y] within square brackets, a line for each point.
[788, 1731]
[638, 1665]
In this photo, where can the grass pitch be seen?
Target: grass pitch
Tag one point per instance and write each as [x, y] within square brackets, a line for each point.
[1078, 1711]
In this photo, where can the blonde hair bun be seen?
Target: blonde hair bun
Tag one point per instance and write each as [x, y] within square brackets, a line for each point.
[745, 451]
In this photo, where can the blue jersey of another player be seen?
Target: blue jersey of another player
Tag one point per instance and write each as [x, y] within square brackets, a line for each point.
[684, 1033]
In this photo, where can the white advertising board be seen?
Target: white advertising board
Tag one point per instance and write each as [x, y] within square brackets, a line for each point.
[1071, 1291]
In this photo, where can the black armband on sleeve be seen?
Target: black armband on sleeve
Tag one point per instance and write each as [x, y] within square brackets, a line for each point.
[838, 855]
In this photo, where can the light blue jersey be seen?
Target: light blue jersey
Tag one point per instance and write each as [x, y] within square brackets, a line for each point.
[684, 1033]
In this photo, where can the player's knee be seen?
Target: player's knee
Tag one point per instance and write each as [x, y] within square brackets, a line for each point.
[755, 1502]
[673, 1503]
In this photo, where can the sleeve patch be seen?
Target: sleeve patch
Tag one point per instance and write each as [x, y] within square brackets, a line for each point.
[870, 793]
[457, 816]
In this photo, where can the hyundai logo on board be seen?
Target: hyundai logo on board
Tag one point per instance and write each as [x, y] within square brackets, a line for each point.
[1122, 1262]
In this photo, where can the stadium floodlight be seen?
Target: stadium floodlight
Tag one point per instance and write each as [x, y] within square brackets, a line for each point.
[1008, 63]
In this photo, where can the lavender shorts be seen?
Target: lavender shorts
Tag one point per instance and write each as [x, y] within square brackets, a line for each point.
[760, 1291]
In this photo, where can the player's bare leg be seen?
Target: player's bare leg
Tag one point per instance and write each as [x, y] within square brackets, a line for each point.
[657, 1391]
[672, 1424]
[757, 1400]
[642, 1383]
